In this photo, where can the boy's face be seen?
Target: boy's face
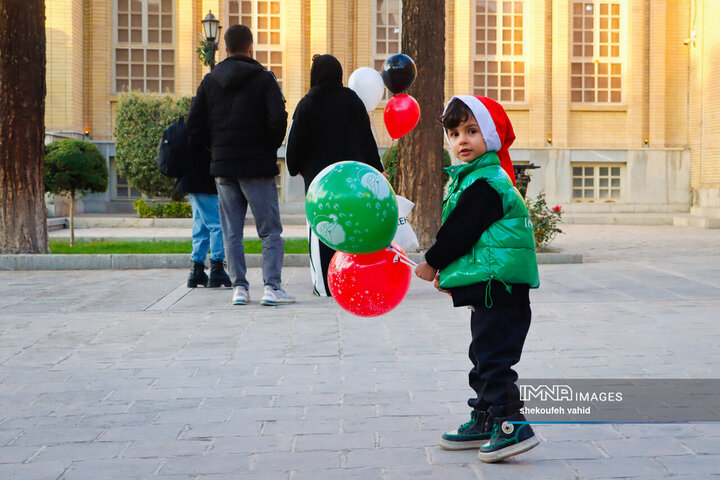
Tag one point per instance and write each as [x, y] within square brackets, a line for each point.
[466, 140]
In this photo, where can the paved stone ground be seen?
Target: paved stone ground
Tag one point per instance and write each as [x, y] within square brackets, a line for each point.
[128, 375]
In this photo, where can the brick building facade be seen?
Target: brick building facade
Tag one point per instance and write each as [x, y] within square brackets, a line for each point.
[614, 99]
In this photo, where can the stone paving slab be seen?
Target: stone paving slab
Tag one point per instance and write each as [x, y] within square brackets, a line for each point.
[102, 379]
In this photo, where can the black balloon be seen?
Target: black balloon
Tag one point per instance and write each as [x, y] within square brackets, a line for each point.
[399, 72]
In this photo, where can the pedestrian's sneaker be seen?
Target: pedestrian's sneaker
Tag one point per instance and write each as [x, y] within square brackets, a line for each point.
[508, 439]
[472, 434]
[241, 296]
[276, 296]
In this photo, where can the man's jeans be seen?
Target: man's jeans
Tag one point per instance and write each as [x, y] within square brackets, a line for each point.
[235, 194]
[206, 230]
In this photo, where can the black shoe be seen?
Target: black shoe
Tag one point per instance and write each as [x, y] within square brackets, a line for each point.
[472, 434]
[218, 276]
[197, 275]
[508, 439]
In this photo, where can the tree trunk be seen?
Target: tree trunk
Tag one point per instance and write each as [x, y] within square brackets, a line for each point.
[72, 219]
[420, 155]
[23, 220]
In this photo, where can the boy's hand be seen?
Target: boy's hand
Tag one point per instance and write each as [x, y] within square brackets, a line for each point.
[425, 271]
[437, 285]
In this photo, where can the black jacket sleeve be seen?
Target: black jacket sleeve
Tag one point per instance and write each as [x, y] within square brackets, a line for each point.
[198, 120]
[478, 207]
[296, 153]
[277, 115]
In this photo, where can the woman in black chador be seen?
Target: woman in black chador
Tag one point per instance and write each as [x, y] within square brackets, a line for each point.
[330, 125]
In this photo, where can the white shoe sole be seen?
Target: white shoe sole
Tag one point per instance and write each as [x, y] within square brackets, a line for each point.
[241, 301]
[272, 303]
[448, 445]
[518, 448]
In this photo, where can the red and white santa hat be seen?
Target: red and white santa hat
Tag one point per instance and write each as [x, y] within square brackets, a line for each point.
[495, 126]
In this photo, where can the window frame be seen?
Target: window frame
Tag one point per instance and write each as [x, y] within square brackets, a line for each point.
[144, 45]
[265, 47]
[375, 56]
[114, 174]
[596, 59]
[596, 198]
[499, 57]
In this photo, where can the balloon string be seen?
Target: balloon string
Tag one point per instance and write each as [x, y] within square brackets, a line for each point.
[400, 253]
[372, 125]
[401, 257]
[387, 155]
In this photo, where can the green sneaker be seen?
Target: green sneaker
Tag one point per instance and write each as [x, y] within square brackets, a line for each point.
[472, 434]
[508, 439]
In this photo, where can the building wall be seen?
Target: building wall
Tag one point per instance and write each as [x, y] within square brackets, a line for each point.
[669, 100]
[98, 70]
[705, 97]
[64, 33]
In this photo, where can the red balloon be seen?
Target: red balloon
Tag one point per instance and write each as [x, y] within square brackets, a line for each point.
[402, 113]
[371, 284]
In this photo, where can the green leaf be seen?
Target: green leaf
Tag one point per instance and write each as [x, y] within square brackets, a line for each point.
[139, 123]
[74, 166]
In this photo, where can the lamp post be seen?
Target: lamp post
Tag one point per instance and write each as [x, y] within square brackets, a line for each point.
[211, 26]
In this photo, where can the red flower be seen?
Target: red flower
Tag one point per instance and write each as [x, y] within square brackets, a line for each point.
[557, 209]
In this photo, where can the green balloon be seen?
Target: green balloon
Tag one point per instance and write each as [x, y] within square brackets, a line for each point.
[352, 208]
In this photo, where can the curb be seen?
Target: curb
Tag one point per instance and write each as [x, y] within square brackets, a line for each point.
[179, 260]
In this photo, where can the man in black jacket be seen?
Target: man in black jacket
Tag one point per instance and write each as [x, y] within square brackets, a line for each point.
[239, 111]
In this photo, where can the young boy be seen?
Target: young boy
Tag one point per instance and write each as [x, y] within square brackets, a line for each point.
[485, 256]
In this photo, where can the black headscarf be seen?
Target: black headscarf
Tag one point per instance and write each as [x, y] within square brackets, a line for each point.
[330, 124]
[326, 72]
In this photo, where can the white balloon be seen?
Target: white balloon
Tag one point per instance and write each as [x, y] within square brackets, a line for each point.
[369, 86]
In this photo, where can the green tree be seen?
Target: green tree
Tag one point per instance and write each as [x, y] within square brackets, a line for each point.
[139, 124]
[74, 167]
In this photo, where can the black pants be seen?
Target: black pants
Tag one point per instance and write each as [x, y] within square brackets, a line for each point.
[498, 336]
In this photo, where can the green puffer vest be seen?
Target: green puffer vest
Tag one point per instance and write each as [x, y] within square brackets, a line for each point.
[506, 250]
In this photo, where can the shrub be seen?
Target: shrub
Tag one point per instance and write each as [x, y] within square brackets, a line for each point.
[167, 210]
[544, 220]
[139, 124]
[74, 167]
[206, 51]
[389, 160]
[177, 210]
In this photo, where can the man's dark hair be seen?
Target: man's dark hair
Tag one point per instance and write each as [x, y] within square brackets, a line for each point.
[456, 113]
[238, 39]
